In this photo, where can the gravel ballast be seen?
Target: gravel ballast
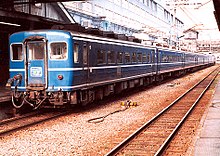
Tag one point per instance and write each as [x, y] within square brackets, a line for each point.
[74, 135]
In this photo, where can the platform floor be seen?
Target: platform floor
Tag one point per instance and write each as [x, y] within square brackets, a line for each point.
[208, 141]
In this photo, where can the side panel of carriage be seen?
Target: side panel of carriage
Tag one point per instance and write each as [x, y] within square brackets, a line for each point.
[17, 59]
[190, 60]
[60, 62]
[105, 62]
[85, 55]
[170, 61]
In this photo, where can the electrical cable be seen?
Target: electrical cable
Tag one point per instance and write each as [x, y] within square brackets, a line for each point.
[102, 118]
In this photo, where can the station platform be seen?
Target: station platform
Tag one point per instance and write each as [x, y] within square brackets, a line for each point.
[208, 141]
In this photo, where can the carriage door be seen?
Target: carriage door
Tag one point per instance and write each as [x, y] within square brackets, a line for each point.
[36, 72]
[183, 57]
[154, 60]
[196, 60]
[158, 60]
[86, 68]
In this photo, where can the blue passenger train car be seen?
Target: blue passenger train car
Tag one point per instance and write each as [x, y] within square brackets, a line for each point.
[55, 68]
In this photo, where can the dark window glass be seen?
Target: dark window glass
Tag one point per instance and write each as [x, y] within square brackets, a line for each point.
[100, 57]
[134, 59]
[152, 57]
[139, 57]
[16, 51]
[164, 58]
[148, 58]
[111, 57]
[144, 57]
[127, 57]
[120, 57]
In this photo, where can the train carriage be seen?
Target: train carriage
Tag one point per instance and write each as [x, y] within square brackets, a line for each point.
[170, 60]
[54, 68]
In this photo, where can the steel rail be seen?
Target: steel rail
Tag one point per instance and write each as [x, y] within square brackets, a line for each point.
[5, 121]
[118, 148]
[170, 137]
[7, 131]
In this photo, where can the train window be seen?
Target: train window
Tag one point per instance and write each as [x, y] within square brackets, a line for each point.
[181, 58]
[144, 57]
[196, 58]
[172, 58]
[164, 58]
[58, 50]
[120, 57]
[111, 57]
[76, 53]
[176, 59]
[134, 57]
[169, 58]
[101, 57]
[36, 50]
[127, 57]
[139, 57]
[16, 51]
[152, 57]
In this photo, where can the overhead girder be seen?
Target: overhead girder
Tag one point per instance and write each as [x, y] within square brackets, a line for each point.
[8, 3]
[217, 12]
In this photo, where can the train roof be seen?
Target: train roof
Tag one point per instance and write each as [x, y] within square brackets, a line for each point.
[87, 36]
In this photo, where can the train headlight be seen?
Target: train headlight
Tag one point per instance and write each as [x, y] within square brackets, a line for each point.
[60, 77]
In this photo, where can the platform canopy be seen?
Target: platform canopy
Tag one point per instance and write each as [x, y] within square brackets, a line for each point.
[217, 12]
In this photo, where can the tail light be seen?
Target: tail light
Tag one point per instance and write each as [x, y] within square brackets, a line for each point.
[60, 77]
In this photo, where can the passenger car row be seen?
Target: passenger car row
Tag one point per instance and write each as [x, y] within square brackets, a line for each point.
[54, 68]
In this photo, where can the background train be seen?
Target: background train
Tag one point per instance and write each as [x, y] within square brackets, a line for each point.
[56, 68]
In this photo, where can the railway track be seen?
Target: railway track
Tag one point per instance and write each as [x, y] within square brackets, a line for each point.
[154, 136]
[17, 123]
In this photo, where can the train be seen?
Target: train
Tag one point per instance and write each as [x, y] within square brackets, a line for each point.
[61, 68]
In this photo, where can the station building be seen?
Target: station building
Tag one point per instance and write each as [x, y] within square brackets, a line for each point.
[148, 20]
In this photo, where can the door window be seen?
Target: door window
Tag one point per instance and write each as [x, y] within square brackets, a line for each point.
[36, 50]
